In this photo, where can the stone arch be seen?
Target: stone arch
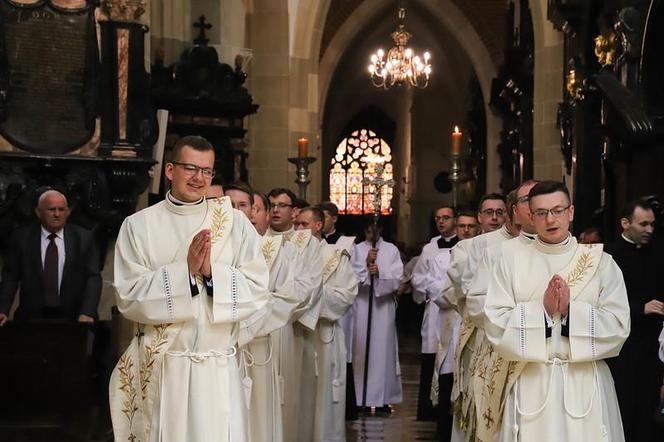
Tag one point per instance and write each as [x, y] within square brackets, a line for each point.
[446, 13]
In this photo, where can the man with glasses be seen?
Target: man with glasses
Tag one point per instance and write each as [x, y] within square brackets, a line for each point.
[488, 388]
[556, 309]
[491, 216]
[430, 271]
[637, 371]
[187, 271]
[307, 282]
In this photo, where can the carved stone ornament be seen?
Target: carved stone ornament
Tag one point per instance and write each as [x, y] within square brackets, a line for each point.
[574, 86]
[124, 10]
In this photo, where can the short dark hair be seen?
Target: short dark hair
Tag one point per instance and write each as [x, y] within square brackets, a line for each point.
[330, 207]
[196, 142]
[629, 208]
[283, 191]
[591, 230]
[368, 224]
[265, 199]
[240, 186]
[300, 203]
[490, 196]
[445, 206]
[466, 212]
[316, 211]
[546, 188]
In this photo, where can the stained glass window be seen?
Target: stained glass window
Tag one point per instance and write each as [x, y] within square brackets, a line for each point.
[347, 170]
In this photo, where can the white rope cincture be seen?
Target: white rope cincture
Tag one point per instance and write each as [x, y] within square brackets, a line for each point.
[203, 356]
[556, 362]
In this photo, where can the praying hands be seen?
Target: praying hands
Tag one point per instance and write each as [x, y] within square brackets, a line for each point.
[198, 257]
[556, 297]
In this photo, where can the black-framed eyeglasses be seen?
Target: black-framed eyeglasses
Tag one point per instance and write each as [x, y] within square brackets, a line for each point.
[556, 212]
[192, 169]
[443, 218]
[491, 212]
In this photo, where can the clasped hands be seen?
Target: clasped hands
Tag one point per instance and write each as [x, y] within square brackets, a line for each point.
[371, 262]
[198, 257]
[556, 297]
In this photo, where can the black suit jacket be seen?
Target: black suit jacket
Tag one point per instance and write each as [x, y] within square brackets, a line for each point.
[80, 288]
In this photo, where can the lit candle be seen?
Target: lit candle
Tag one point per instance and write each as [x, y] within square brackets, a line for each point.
[302, 147]
[456, 141]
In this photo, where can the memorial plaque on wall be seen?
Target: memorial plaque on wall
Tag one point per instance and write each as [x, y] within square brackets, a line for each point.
[48, 74]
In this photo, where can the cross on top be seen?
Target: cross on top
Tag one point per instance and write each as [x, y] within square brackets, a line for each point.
[378, 183]
[202, 39]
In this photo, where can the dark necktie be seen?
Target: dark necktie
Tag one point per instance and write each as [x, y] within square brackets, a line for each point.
[51, 272]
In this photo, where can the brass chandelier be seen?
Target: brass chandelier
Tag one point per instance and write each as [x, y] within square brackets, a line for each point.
[401, 66]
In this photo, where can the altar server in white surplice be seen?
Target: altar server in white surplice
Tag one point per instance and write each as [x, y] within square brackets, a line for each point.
[187, 271]
[339, 292]
[449, 323]
[259, 334]
[557, 309]
[426, 273]
[296, 342]
[384, 373]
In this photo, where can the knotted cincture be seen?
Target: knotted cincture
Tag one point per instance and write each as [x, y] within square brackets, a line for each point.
[203, 356]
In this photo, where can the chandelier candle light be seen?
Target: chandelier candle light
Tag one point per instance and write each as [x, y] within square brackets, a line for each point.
[401, 66]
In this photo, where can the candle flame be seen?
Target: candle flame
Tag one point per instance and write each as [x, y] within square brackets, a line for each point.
[456, 130]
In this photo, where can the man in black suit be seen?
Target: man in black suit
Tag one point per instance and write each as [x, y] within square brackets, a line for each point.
[637, 371]
[54, 265]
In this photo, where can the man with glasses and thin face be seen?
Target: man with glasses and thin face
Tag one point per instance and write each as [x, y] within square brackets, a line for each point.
[296, 352]
[188, 270]
[428, 273]
[491, 213]
[557, 309]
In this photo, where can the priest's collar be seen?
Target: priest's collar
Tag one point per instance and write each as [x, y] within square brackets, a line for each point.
[449, 238]
[506, 232]
[529, 236]
[182, 208]
[287, 233]
[638, 246]
[567, 245]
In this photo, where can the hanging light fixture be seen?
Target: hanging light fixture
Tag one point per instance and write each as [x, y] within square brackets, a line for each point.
[400, 66]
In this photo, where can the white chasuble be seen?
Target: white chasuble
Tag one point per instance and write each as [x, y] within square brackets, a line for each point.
[560, 389]
[179, 379]
[259, 342]
[384, 373]
[339, 292]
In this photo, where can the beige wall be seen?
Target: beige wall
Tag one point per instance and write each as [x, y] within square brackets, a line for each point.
[548, 160]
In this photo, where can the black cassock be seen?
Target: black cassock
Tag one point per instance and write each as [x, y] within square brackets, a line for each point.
[637, 371]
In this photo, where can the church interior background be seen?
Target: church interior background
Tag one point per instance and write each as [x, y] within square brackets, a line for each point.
[565, 90]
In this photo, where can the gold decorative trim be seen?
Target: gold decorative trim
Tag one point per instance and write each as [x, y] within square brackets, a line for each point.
[605, 49]
[150, 354]
[269, 250]
[581, 267]
[331, 264]
[219, 224]
[129, 406]
[299, 239]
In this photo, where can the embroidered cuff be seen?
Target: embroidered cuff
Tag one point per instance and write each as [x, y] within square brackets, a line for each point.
[192, 285]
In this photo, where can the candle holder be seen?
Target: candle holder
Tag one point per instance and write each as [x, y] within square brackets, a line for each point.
[302, 173]
[457, 176]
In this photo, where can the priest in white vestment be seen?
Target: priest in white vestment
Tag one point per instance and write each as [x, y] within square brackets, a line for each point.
[384, 373]
[187, 271]
[259, 334]
[557, 309]
[487, 369]
[296, 342]
[339, 292]
[491, 216]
